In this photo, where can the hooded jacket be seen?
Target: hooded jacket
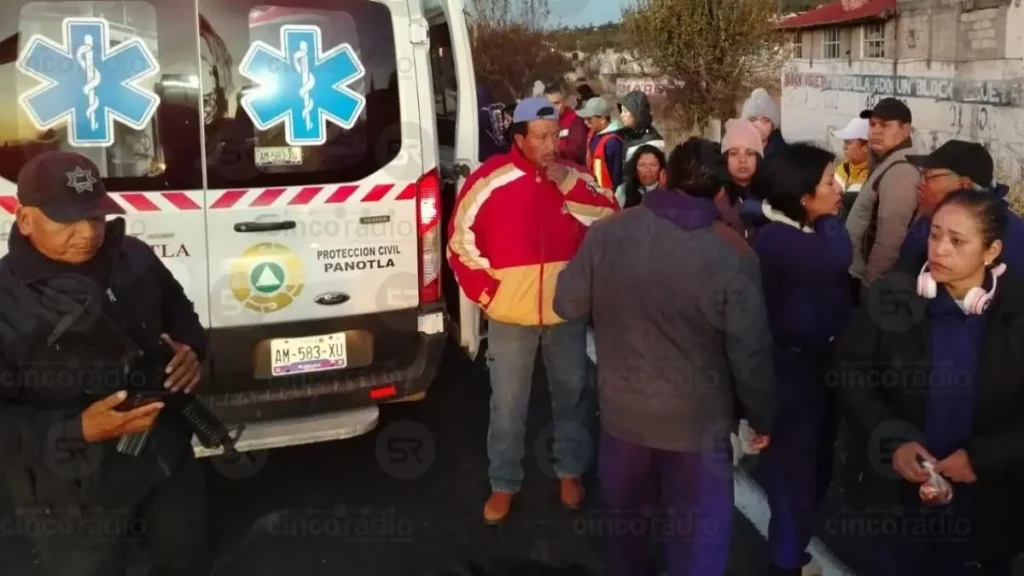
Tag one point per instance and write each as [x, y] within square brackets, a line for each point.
[643, 132]
[514, 230]
[914, 251]
[678, 312]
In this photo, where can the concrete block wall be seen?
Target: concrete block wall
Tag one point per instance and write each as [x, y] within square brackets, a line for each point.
[953, 30]
[983, 33]
[958, 64]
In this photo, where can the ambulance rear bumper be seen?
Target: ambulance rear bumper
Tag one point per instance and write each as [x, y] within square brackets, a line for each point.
[378, 383]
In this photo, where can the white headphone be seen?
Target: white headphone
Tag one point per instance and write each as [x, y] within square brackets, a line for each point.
[977, 299]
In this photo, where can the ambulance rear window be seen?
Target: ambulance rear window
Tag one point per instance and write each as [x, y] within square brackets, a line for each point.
[295, 94]
[56, 91]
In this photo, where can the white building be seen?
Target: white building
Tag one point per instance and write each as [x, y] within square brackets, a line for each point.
[956, 63]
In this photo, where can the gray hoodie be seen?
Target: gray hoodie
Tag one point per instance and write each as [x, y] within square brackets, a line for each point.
[679, 323]
[643, 132]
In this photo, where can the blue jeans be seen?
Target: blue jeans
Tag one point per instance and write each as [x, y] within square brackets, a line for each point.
[511, 350]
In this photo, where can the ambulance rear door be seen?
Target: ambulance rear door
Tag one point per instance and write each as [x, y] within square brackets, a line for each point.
[143, 133]
[457, 120]
[314, 171]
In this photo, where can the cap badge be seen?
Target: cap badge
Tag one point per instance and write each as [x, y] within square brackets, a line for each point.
[81, 180]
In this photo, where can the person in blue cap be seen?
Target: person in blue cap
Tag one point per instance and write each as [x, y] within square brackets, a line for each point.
[519, 219]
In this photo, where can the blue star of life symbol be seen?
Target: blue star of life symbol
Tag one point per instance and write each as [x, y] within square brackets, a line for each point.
[86, 84]
[302, 86]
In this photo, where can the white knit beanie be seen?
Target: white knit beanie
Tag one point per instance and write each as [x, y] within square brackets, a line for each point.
[761, 104]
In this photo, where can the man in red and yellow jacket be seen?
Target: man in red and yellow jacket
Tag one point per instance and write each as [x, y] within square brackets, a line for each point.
[518, 221]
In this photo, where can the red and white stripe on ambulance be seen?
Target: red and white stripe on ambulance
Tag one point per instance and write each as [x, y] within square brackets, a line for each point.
[216, 197]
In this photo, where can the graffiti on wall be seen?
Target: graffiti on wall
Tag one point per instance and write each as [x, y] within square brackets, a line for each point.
[986, 92]
[990, 112]
[652, 87]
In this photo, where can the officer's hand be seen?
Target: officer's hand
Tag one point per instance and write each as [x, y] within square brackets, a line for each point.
[183, 368]
[101, 421]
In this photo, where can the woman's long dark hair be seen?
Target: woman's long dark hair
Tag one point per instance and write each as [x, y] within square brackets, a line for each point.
[633, 195]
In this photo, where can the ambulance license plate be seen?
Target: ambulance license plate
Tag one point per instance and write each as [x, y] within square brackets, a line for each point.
[309, 354]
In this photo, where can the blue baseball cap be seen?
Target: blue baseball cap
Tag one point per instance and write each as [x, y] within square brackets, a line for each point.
[531, 109]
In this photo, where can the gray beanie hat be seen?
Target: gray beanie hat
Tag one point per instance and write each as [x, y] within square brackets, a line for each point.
[761, 104]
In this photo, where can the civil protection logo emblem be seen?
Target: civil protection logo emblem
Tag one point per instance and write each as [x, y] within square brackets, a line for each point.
[267, 277]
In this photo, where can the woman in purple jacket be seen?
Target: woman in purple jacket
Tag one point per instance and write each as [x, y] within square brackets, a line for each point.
[804, 252]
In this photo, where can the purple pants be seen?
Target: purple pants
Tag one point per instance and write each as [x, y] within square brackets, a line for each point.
[693, 520]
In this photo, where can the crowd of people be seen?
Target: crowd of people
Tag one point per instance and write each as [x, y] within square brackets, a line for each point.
[746, 297]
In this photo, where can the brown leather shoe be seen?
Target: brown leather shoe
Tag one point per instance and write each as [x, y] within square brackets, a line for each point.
[497, 506]
[572, 492]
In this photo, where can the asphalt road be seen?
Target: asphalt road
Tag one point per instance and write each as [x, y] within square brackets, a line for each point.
[368, 505]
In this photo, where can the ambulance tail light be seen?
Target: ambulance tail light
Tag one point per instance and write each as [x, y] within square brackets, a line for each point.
[428, 219]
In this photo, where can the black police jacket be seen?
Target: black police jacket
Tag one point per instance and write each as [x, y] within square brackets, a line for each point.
[64, 343]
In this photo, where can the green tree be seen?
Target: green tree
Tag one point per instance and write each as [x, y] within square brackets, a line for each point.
[710, 53]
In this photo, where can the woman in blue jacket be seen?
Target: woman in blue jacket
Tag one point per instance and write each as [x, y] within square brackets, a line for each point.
[805, 253]
[932, 376]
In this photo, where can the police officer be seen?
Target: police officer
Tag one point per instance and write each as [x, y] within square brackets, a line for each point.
[83, 313]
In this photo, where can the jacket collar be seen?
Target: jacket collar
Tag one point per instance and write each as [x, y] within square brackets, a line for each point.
[774, 215]
[521, 162]
[905, 145]
[1007, 304]
[614, 126]
[775, 143]
[853, 171]
[685, 211]
[30, 265]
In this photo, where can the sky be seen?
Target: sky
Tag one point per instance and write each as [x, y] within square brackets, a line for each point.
[584, 12]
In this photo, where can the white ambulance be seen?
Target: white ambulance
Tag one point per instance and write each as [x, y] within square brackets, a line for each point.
[284, 159]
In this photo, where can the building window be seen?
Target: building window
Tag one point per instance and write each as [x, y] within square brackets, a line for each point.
[874, 40]
[830, 44]
[798, 45]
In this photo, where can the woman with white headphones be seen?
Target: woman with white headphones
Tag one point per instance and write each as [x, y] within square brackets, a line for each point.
[931, 379]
